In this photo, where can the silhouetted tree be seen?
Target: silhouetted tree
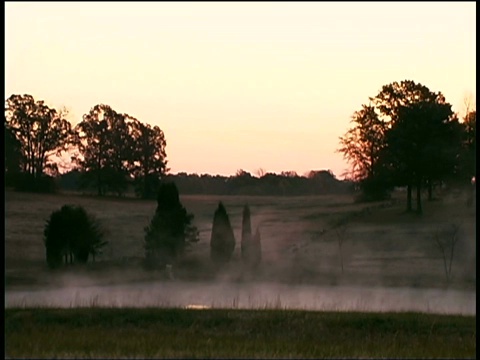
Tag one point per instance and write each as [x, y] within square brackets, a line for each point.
[149, 163]
[106, 147]
[41, 133]
[170, 229]
[222, 242]
[246, 242]
[361, 147]
[73, 234]
[390, 99]
[423, 144]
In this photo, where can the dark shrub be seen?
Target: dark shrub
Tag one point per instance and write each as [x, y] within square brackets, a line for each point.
[73, 234]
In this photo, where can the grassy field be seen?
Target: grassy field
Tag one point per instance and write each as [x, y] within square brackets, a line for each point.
[177, 333]
[382, 245]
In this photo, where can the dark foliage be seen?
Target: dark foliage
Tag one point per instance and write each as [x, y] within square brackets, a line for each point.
[170, 230]
[222, 242]
[410, 137]
[34, 133]
[148, 163]
[105, 145]
[71, 233]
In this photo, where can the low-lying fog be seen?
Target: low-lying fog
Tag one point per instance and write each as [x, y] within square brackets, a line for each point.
[250, 296]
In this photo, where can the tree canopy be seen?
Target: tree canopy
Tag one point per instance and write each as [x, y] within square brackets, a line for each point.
[408, 137]
[117, 149]
[35, 132]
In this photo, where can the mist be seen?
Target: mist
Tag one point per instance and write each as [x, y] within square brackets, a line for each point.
[249, 296]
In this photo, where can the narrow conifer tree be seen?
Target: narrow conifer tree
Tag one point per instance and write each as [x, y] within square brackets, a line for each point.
[222, 242]
[246, 242]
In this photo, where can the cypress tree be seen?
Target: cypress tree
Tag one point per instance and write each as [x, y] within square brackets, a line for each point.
[246, 242]
[170, 229]
[222, 242]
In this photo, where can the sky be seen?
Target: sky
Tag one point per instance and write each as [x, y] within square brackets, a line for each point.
[238, 85]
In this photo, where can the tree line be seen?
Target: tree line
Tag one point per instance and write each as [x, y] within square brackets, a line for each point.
[109, 148]
[242, 183]
[408, 136]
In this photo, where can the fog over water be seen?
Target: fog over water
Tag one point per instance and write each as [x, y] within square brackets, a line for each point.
[250, 296]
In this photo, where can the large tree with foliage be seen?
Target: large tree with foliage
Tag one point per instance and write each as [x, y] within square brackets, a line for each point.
[40, 131]
[170, 230]
[389, 101]
[106, 148]
[422, 145]
[409, 137]
[149, 158]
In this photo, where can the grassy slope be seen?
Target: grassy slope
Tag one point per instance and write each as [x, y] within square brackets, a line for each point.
[113, 333]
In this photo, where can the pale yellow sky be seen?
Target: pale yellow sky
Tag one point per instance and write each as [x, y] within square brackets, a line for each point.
[235, 85]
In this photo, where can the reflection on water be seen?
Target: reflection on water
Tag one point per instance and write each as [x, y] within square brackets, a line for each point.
[251, 296]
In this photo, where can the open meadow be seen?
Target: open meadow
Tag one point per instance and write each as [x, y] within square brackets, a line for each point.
[382, 245]
[388, 262]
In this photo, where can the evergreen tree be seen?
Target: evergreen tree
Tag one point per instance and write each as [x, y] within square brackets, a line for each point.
[170, 230]
[246, 241]
[222, 243]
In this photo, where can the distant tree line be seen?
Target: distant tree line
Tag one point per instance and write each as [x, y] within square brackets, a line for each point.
[408, 136]
[110, 149]
[243, 183]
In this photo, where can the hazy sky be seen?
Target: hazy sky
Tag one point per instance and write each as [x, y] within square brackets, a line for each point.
[238, 84]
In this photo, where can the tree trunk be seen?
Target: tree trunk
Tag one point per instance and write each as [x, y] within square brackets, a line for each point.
[409, 198]
[419, 197]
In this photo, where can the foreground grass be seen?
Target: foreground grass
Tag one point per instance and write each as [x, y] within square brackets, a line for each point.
[170, 333]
